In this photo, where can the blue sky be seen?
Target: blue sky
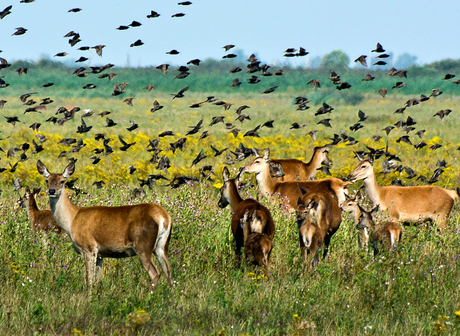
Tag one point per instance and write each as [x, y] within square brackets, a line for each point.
[423, 28]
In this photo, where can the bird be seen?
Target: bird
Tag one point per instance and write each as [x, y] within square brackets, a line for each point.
[242, 117]
[435, 93]
[268, 124]
[149, 87]
[253, 80]
[195, 128]
[216, 120]
[99, 184]
[296, 125]
[110, 122]
[19, 31]
[398, 85]
[2, 103]
[5, 12]
[137, 43]
[253, 133]
[203, 135]
[235, 83]
[153, 14]
[12, 120]
[368, 78]
[128, 101]
[270, 90]
[388, 129]
[135, 24]
[89, 86]
[404, 138]
[21, 71]
[166, 133]
[74, 10]
[325, 122]
[156, 106]
[312, 134]
[362, 59]
[235, 132]
[199, 158]
[241, 108]
[442, 113]
[382, 92]
[17, 184]
[98, 49]
[83, 128]
[378, 48]
[420, 133]
[163, 68]
[228, 47]
[314, 83]
[356, 127]
[123, 27]
[448, 76]
[173, 52]
[178, 15]
[125, 144]
[380, 63]
[195, 62]
[362, 116]
[180, 94]
[216, 151]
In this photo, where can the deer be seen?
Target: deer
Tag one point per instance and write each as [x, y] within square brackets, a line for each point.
[318, 217]
[387, 234]
[262, 222]
[256, 244]
[296, 170]
[41, 220]
[352, 206]
[99, 232]
[289, 190]
[407, 203]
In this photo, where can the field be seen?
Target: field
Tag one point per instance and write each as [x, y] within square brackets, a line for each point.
[412, 292]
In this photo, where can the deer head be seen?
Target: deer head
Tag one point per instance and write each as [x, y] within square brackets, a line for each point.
[55, 182]
[363, 170]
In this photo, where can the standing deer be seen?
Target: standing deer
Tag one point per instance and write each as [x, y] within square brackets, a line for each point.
[295, 170]
[257, 244]
[110, 232]
[41, 220]
[289, 190]
[261, 222]
[386, 234]
[352, 206]
[318, 218]
[406, 203]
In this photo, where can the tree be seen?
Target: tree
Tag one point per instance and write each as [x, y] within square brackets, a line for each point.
[336, 60]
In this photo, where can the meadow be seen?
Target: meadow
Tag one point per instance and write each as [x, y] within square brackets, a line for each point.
[414, 291]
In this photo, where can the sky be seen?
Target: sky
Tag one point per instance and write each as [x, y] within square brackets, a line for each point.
[423, 28]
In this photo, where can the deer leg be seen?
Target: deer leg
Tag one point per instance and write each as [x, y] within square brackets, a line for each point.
[147, 262]
[327, 241]
[99, 261]
[90, 262]
[162, 257]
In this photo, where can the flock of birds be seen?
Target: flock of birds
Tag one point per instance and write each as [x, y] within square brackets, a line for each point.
[255, 68]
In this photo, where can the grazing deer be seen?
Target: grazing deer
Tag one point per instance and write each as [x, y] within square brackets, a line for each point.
[386, 234]
[111, 232]
[352, 206]
[295, 170]
[406, 203]
[318, 218]
[289, 190]
[41, 220]
[261, 222]
[256, 244]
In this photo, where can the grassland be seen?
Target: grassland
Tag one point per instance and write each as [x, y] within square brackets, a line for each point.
[414, 291]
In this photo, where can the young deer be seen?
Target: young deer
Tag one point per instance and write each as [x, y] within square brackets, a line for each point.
[111, 232]
[262, 221]
[41, 220]
[295, 170]
[289, 190]
[352, 206]
[257, 244]
[318, 218]
[386, 234]
[406, 203]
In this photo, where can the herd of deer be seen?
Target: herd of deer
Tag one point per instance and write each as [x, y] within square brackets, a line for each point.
[117, 232]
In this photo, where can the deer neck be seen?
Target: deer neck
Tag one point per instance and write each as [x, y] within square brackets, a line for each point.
[234, 196]
[32, 208]
[356, 213]
[63, 211]
[372, 188]
[314, 163]
[265, 182]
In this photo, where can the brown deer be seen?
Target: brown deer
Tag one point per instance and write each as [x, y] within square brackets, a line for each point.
[406, 204]
[386, 234]
[111, 232]
[318, 218]
[41, 220]
[289, 190]
[296, 170]
[256, 244]
[352, 206]
[261, 222]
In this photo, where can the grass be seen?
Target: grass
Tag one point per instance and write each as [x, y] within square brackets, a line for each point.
[414, 291]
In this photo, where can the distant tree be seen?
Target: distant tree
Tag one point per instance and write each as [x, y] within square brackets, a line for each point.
[314, 62]
[405, 61]
[336, 60]
[446, 65]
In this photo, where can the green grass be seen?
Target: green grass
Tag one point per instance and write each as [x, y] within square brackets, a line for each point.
[350, 293]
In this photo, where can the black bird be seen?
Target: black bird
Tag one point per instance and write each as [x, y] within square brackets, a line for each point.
[442, 113]
[253, 80]
[19, 31]
[180, 94]
[268, 124]
[236, 82]
[379, 48]
[153, 14]
[297, 125]
[404, 138]
[123, 27]
[270, 90]
[96, 159]
[216, 120]
[241, 108]
[137, 43]
[179, 144]
[133, 126]
[83, 128]
[125, 144]
[362, 116]
[325, 122]
[199, 157]
[356, 127]
[37, 148]
[164, 164]
[12, 120]
[110, 122]
[421, 133]
[165, 133]
[135, 24]
[156, 106]
[5, 12]
[216, 151]
[195, 128]
[108, 149]
[388, 129]
[421, 144]
[98, 184]
[253, 133]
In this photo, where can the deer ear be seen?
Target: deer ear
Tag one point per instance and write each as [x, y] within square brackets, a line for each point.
[42, 169]
[245, 216]
[358, 196]
[225, 174]
[27, 190]
[240, 175]
[375, 209]
[254, 215]
[69, 170]
[255, 153]
[302, 191]
[299, 201]
[267, 154]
